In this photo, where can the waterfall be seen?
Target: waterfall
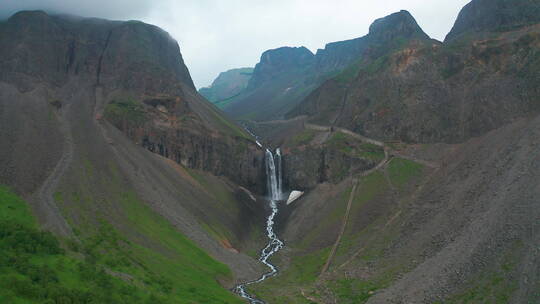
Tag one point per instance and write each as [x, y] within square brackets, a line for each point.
[279, 178]
[274, 183]
[271, 176]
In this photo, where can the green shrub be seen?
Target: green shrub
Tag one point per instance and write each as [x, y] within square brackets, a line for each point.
[125, 111]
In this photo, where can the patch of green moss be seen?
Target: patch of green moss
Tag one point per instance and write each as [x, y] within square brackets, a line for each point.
[332, 219]
[402, 171]
[285, 287]
[303, 138]
[125, 110]
[369, 187]
[354, 147]
[364, 67]
[58, 197]
[349, 73]
[353, 291]
[493, 286]
[229, 127]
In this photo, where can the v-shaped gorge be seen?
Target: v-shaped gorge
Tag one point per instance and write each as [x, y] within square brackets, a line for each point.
[416, 161]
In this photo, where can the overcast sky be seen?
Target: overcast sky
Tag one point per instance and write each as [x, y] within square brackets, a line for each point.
[217, 35]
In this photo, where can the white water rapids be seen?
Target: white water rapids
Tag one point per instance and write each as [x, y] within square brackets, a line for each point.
[273, 177]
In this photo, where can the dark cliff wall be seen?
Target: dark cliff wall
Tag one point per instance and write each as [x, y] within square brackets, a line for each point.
[136, 71]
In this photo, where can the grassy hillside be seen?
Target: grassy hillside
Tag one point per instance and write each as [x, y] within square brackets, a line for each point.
[37, 267]
[370, 228]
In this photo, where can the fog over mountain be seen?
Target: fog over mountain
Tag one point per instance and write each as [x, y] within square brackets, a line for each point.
[219, 35]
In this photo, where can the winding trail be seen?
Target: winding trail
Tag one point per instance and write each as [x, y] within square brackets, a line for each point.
[53, 217]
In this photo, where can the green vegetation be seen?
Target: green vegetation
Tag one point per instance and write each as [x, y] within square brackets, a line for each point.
[349, 73]
[104, 266]
[353, 291]
[125, 111]
[229, 127]
[376, 66]
[401, 171]
[187, 270]
[363, 67]
[354, 147]
[306, 264]
[331, 221]
[303, 138]
[35, 269]
[224, 102]
[356, 232]
[303, 271]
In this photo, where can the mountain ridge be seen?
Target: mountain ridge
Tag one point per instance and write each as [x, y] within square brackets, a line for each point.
[281, 90]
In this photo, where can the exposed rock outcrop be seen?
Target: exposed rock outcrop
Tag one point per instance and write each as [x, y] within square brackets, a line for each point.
[279, 61]
[424, 91]
[495, 16]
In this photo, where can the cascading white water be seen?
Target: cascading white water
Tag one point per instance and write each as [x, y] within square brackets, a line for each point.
[279, 178]
[273, 177]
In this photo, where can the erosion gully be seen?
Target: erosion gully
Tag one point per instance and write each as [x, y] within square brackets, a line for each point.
[274, 182]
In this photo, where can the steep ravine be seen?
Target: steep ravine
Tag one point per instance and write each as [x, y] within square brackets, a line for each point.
[275, 192]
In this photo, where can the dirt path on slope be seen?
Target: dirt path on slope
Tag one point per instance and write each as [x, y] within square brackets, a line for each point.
[54, 220]
[342, 231]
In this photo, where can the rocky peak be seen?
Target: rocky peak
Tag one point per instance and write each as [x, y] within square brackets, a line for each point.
[28, 17]
[338, 55]
[287, 55]
[56, 48]
[495, 15]
[276, 61]
[397, 25]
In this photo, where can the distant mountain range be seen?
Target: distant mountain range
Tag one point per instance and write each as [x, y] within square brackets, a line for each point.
[286, 75]
[227, 86]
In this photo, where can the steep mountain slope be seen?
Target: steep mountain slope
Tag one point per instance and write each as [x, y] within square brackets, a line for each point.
[447, 212]
[108, 140]
[277, 78]
[284, 76]
[435, 224]
[432, 92]
[227, 86]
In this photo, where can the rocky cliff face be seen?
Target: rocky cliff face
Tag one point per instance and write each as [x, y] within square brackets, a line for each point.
[424, 91]
[279, 61]
[495, 16]
[94, 50]
[307, 167]
[140, 80]
[383, 33]
[167, 126]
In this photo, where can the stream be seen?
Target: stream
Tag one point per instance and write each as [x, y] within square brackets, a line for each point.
[274, 182]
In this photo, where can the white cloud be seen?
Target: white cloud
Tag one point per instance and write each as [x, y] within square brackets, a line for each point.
[216, 35]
